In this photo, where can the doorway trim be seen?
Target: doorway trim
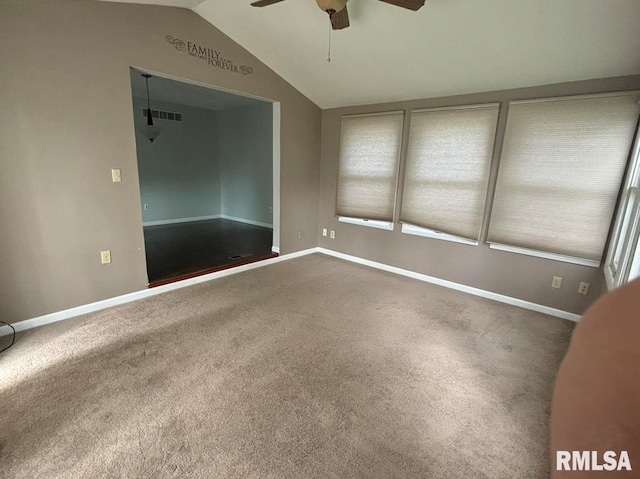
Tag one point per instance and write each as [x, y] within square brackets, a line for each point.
[276, 177]
[276, 129]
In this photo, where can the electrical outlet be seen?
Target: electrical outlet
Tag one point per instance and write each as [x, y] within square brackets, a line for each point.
[116, 175]
[583, 288]
[300, 234]
[146, 206]
[105, 257]
[324, 231]
[557, 282]
[270, 209]
[332, 234]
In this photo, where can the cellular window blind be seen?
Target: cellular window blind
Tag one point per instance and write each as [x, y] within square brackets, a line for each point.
[368, 165]
[447, 172]
[561, 168]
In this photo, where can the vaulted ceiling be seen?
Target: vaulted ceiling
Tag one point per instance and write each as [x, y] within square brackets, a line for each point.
[448, 47]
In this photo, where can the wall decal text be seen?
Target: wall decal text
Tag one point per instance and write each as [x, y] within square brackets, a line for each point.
[211, 56]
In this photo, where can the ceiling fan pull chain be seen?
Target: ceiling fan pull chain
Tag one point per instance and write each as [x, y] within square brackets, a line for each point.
[329, 54]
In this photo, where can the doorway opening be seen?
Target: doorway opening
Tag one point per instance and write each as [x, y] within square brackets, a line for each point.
[208, 169]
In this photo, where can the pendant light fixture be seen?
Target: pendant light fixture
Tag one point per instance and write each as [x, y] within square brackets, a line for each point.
[150, 130]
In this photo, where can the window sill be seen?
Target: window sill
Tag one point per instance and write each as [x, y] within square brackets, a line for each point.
[427, 233]
[610, 278]
[541, 254]
[381, 225]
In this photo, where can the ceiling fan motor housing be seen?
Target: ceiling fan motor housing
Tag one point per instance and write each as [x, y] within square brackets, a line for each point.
[334, 5]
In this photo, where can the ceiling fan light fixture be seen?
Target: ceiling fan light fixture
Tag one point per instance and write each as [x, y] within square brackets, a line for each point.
[337, 9]
[331, 5]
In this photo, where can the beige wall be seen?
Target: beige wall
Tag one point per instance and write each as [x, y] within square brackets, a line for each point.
[515, 275]
[66, 120]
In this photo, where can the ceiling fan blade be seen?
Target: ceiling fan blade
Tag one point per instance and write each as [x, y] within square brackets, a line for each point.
[340, 20]
[265, 3]
[410, 4]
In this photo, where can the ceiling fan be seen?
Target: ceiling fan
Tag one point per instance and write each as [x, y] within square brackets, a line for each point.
[337, 9]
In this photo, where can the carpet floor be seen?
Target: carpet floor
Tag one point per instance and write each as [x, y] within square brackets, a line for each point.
[312, 367]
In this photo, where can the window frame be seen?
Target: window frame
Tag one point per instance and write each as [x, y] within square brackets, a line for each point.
[414, 230]
[628, 196]
[626, 225]
[375, 223]
[555, 256]
[411, 229]
[378, 224]
[543, 254]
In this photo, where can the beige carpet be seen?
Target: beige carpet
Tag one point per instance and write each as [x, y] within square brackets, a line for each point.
[312, 367]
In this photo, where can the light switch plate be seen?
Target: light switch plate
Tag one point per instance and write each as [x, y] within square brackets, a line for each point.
[116, 175]
[105, 257]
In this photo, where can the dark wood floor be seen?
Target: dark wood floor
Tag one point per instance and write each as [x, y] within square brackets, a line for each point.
[184, 249]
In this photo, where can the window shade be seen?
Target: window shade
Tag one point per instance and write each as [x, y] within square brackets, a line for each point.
[447, 171]
[562, 165]
[368, 170]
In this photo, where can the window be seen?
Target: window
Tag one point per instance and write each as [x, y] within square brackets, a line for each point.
[634, 272]
[368, 168]
[447, 173]
[562, 164]
[623, 258]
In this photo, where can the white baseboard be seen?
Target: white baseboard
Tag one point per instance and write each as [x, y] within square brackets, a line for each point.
[457, 286]
[146, 293]
[249, 222]
[180, 220]
[107, 303]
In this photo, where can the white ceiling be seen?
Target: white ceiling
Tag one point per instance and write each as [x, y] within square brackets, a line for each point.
[448, 47]
[182, 93]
